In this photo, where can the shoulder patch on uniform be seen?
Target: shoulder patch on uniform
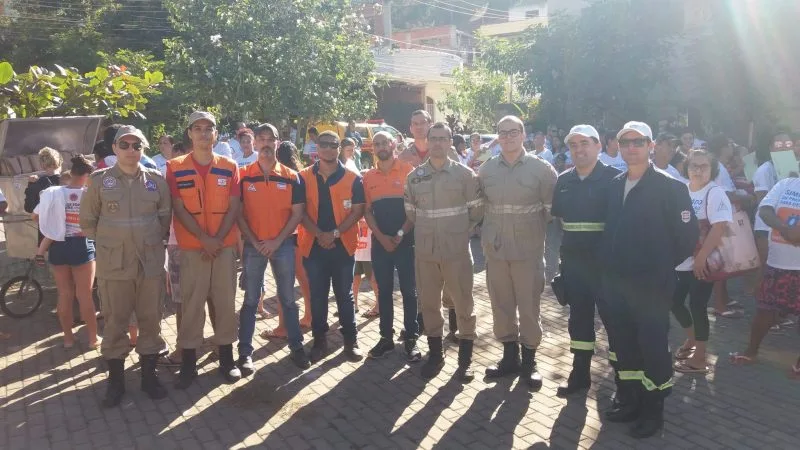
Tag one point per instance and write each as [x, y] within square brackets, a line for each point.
[686, 216]
[109, 182]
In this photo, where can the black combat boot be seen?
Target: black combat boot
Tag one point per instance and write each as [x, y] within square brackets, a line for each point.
[188, 368]
[509, 365]
[227, 367]
[651, 418]
[150, 383]
[452, 321]
[116, 383]
[627, 402]
[579, 379]
[435, 361]
[528, 373]
[464, 371]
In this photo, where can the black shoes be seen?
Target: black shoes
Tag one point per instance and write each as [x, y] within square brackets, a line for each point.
[188, 369]
[651, 418]
[246, 366]
[528, 373]
[319, 349]
[352, 352]
[435, 361]
[627, 403]
[150, 384]
[116, 383]
[464, 371]
[300, 359]
[382, 348]
[579, 378]
[509, 365]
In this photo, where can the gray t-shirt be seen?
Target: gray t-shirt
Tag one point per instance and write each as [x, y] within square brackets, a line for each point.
[629, 184]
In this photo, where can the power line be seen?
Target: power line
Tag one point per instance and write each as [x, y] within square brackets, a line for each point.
[465, 12]
[501, 11]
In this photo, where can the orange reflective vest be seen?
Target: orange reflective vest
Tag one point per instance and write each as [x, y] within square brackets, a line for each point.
[207, 200]
[342, 198]
[267, 201]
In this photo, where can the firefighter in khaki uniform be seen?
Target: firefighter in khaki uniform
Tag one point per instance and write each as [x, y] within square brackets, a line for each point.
[416, 154]
[517, 189]
[206, 191]
[127, 211]
[442, 198]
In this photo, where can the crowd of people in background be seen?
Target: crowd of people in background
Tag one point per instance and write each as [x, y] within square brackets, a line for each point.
[174, 226]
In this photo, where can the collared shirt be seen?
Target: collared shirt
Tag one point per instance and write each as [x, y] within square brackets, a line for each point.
[517, 198]
[411, 155]
[326, 220]
[444, 205]
[267, 199]
[384, 195]
[582, 206]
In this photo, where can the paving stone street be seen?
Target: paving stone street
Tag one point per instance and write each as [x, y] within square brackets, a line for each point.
[50, 397]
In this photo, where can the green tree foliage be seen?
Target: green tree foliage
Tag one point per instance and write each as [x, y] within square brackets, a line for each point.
[39, 92]
[273, 59]
[474, 95]
[597, 67]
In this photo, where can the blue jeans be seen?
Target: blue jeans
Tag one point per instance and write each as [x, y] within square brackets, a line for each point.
[383, 265]
[282, 262]
[324, 267]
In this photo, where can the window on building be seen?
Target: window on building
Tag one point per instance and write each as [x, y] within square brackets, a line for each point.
[532, 13]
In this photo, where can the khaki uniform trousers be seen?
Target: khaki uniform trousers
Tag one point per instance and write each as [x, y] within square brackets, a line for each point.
[516, 286]
[202, 280]
[432, 276]
[119, 300]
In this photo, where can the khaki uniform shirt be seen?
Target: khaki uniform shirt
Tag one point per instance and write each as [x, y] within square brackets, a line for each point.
[444, 205]
[128, 217]
[411, 155]
[517, 200]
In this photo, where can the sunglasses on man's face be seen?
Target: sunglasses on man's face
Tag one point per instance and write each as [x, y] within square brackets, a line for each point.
[326, 144]
[123, 145]
[637, 142]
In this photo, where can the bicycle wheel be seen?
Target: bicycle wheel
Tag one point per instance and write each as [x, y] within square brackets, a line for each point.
[21, 296]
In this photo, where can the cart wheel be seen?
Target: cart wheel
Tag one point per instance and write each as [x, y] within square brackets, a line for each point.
[21, 296]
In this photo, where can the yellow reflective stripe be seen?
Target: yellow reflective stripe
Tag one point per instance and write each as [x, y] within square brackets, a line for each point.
[650, 386]
[630, 375]
[442, 212]
[612, 356]
[581, 345]
[474, 203]
[514, 209]
[584, 226]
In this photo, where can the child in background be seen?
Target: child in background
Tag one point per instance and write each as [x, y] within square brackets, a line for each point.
[364, 267]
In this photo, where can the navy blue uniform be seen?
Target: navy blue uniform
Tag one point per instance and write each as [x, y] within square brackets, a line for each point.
[645, 238]
[582, 206]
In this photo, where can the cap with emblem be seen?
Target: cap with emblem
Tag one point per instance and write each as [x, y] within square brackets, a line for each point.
[130, 130]
[201, 115]
[638, 127]
[583, 130]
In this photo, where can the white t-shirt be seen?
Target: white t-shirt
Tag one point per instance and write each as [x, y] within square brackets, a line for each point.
[223, 149]
[351, 166]
[161, 163]
[310, 147]
[724, 179]
[364, 249]
[673, 172]
[614, 161]
[73, 209]
[719, 209]
[243, 161]
[764, 180]
[785, 198]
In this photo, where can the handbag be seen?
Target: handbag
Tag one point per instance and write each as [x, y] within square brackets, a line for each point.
[737, 253]
[559, 289]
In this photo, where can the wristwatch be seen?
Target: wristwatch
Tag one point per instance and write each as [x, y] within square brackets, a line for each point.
[336, 233]
[400, 233]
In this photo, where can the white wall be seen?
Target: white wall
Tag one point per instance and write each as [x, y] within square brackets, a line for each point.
[518, 12]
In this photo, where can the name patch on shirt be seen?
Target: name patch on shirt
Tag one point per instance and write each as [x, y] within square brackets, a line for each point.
[222, 181]
[186, 184]
[150, 185]
[281, 186]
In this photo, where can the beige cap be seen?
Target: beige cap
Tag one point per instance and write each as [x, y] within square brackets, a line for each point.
[201, 115]
[130, 130]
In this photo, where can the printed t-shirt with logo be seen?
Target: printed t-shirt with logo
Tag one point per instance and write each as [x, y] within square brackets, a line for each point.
[718, 210]
[73, 209]
[364, 248]
[785, 198]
